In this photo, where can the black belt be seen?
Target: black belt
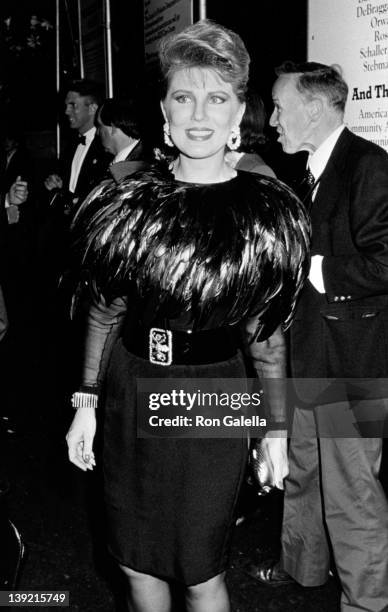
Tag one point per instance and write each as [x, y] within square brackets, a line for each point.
[166, 347]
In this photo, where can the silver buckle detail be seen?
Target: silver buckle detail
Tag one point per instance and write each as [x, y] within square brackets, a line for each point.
[160, 346]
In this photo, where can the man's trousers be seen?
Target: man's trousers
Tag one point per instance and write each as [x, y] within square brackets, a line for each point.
[335, 502]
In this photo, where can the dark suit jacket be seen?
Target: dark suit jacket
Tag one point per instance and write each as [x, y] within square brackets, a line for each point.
[92, 170]
[20, 164]
[18, 240]
[139, 158]
[141, 152]
[59, 206]
[344, 333]
[252, 162]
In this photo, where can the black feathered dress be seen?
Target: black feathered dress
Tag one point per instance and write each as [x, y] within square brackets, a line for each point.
[182, 257]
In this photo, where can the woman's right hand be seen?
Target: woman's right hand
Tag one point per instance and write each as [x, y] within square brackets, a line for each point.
[80, 438]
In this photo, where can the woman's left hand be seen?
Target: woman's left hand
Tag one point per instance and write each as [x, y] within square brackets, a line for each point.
[276, 445]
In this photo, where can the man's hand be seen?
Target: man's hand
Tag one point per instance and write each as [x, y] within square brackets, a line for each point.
[53, 181]
[18, 192]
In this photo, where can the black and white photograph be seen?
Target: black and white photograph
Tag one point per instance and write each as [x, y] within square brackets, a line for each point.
[194, 305]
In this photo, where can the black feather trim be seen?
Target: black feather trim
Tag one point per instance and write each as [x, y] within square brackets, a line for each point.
[241, 246]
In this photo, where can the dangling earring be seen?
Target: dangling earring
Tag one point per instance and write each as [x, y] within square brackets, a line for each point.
[234, 140]
[166, 131]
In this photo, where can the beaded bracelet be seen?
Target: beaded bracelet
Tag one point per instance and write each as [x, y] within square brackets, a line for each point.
[84, 400]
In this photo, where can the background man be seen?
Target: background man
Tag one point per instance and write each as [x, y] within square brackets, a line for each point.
[85, 160]
[81, 168]
[119, 127]
[333, 497]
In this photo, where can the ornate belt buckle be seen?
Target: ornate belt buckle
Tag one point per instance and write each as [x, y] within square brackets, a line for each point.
[160, 346]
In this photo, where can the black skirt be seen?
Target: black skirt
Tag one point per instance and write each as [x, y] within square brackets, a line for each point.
[170, 501]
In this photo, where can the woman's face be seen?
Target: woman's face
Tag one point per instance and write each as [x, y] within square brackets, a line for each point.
[201, 109]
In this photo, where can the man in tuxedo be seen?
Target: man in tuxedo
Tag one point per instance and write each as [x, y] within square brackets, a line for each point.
[82, 166]
[334, 503]
[80, 169]
[85, 160]
[119, 127]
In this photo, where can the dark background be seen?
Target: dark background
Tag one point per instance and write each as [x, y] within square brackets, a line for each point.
[272, 32]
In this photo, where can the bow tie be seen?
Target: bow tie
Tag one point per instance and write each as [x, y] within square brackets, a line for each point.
[81, 139]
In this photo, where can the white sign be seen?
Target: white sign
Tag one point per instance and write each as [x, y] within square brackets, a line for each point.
[162, 17]
[354, 35]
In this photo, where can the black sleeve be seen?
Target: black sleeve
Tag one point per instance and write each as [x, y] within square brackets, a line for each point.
[103, 328]
[269, 360]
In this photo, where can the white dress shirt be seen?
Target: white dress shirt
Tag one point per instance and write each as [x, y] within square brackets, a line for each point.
[317, 163]
[79, 157]
[123, 154]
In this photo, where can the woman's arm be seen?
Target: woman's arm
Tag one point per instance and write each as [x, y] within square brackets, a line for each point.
[103, 327]
[269, 360]
[104, 324]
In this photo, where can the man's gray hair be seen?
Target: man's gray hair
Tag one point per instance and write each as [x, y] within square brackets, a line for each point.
[315, 78]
